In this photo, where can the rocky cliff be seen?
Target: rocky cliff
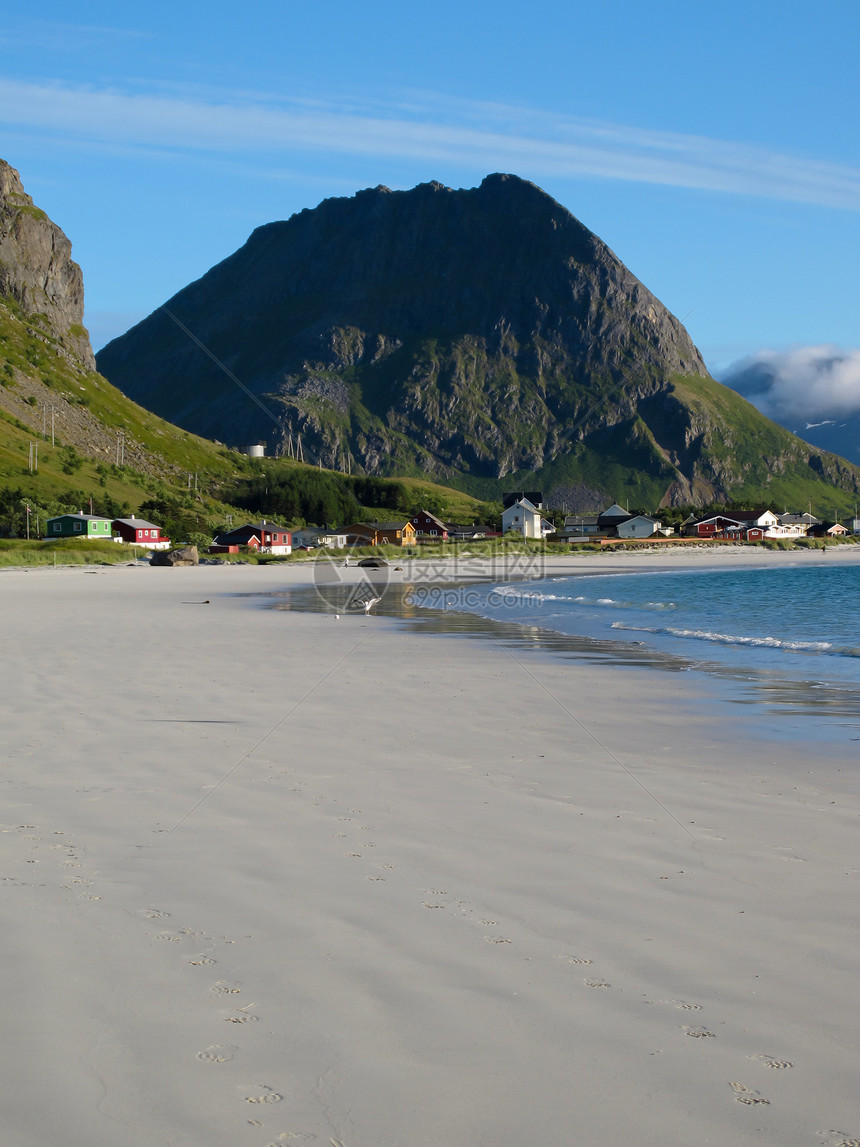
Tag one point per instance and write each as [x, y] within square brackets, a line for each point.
[480, 336]
[37, 272]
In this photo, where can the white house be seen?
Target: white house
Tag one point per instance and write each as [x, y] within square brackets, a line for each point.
[524, 518]
[642, 526]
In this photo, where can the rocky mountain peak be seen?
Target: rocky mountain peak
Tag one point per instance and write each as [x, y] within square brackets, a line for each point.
[469, 334]
[37, 272]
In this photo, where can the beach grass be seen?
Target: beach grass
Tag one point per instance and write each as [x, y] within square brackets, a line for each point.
[70, 552]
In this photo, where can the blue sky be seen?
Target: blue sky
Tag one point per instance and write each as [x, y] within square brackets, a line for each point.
[715, 149]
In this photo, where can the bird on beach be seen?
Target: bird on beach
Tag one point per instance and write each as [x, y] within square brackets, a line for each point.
[370, 603]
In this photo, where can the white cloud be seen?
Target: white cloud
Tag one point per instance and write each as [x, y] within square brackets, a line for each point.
[810, 382]
[426, 128]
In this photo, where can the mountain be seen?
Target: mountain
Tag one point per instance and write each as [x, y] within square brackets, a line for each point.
[484, 337]
[37, 272]
[91, 439]
[68, 437]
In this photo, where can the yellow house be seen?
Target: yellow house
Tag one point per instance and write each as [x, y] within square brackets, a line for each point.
[381, 533]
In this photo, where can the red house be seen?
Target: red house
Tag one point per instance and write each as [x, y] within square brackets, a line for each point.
[427, 525]
[137, 532]
[267, 537]
[713, 527]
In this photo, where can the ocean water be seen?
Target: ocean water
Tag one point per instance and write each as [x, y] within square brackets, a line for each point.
[797, 622]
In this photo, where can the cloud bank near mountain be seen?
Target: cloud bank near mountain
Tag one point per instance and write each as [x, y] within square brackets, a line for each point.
[809, 383]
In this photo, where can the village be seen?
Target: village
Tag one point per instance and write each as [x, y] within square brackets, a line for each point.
[523, 514]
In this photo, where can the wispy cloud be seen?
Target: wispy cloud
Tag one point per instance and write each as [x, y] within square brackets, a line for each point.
[60, 35]
[471, 135]
[808, 382]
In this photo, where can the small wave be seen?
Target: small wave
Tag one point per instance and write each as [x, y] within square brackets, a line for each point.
[737, 639]
[513, 593]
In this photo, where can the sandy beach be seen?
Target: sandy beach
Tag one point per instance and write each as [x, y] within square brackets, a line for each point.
[271, 878]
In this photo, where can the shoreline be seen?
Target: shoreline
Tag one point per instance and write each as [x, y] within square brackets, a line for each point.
[269, 878]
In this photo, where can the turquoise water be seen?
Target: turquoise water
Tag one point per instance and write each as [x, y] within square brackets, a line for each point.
[800, 622]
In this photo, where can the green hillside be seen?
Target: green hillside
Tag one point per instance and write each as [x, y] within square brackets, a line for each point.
[109, 450]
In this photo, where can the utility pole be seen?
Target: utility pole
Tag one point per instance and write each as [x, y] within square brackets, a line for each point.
[28, 523]
[52, 426]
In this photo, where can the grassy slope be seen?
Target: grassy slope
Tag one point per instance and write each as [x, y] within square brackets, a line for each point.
[770, 461]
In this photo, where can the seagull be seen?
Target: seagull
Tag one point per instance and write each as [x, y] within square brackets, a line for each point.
[368, 605]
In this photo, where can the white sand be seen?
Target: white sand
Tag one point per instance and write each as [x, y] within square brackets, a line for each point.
[269, 878]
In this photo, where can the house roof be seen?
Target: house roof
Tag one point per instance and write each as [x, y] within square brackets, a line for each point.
[524, 504]
[799, 520]
[257, 528]
[748, 515]
[615, 511]
[388, 525]
[81, 517]
[432, 518]
[137, 523]
[533, 497]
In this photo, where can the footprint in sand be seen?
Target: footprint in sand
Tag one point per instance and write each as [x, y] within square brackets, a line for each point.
[576, 959]
[155, 914]
[747, 1095]
[496, 940]
[840, 1139]
[596, 984]
[699, 1033]
[685, 1007]
[291, 1137]
[769, 1061]
[268, 1096]
[202, 961]
[241, 1018]
[216, 1053]
[223, 988]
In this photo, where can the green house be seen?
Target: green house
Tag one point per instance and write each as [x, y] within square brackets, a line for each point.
[78, 525]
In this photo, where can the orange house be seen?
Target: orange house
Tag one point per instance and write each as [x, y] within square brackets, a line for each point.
[381, 533]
